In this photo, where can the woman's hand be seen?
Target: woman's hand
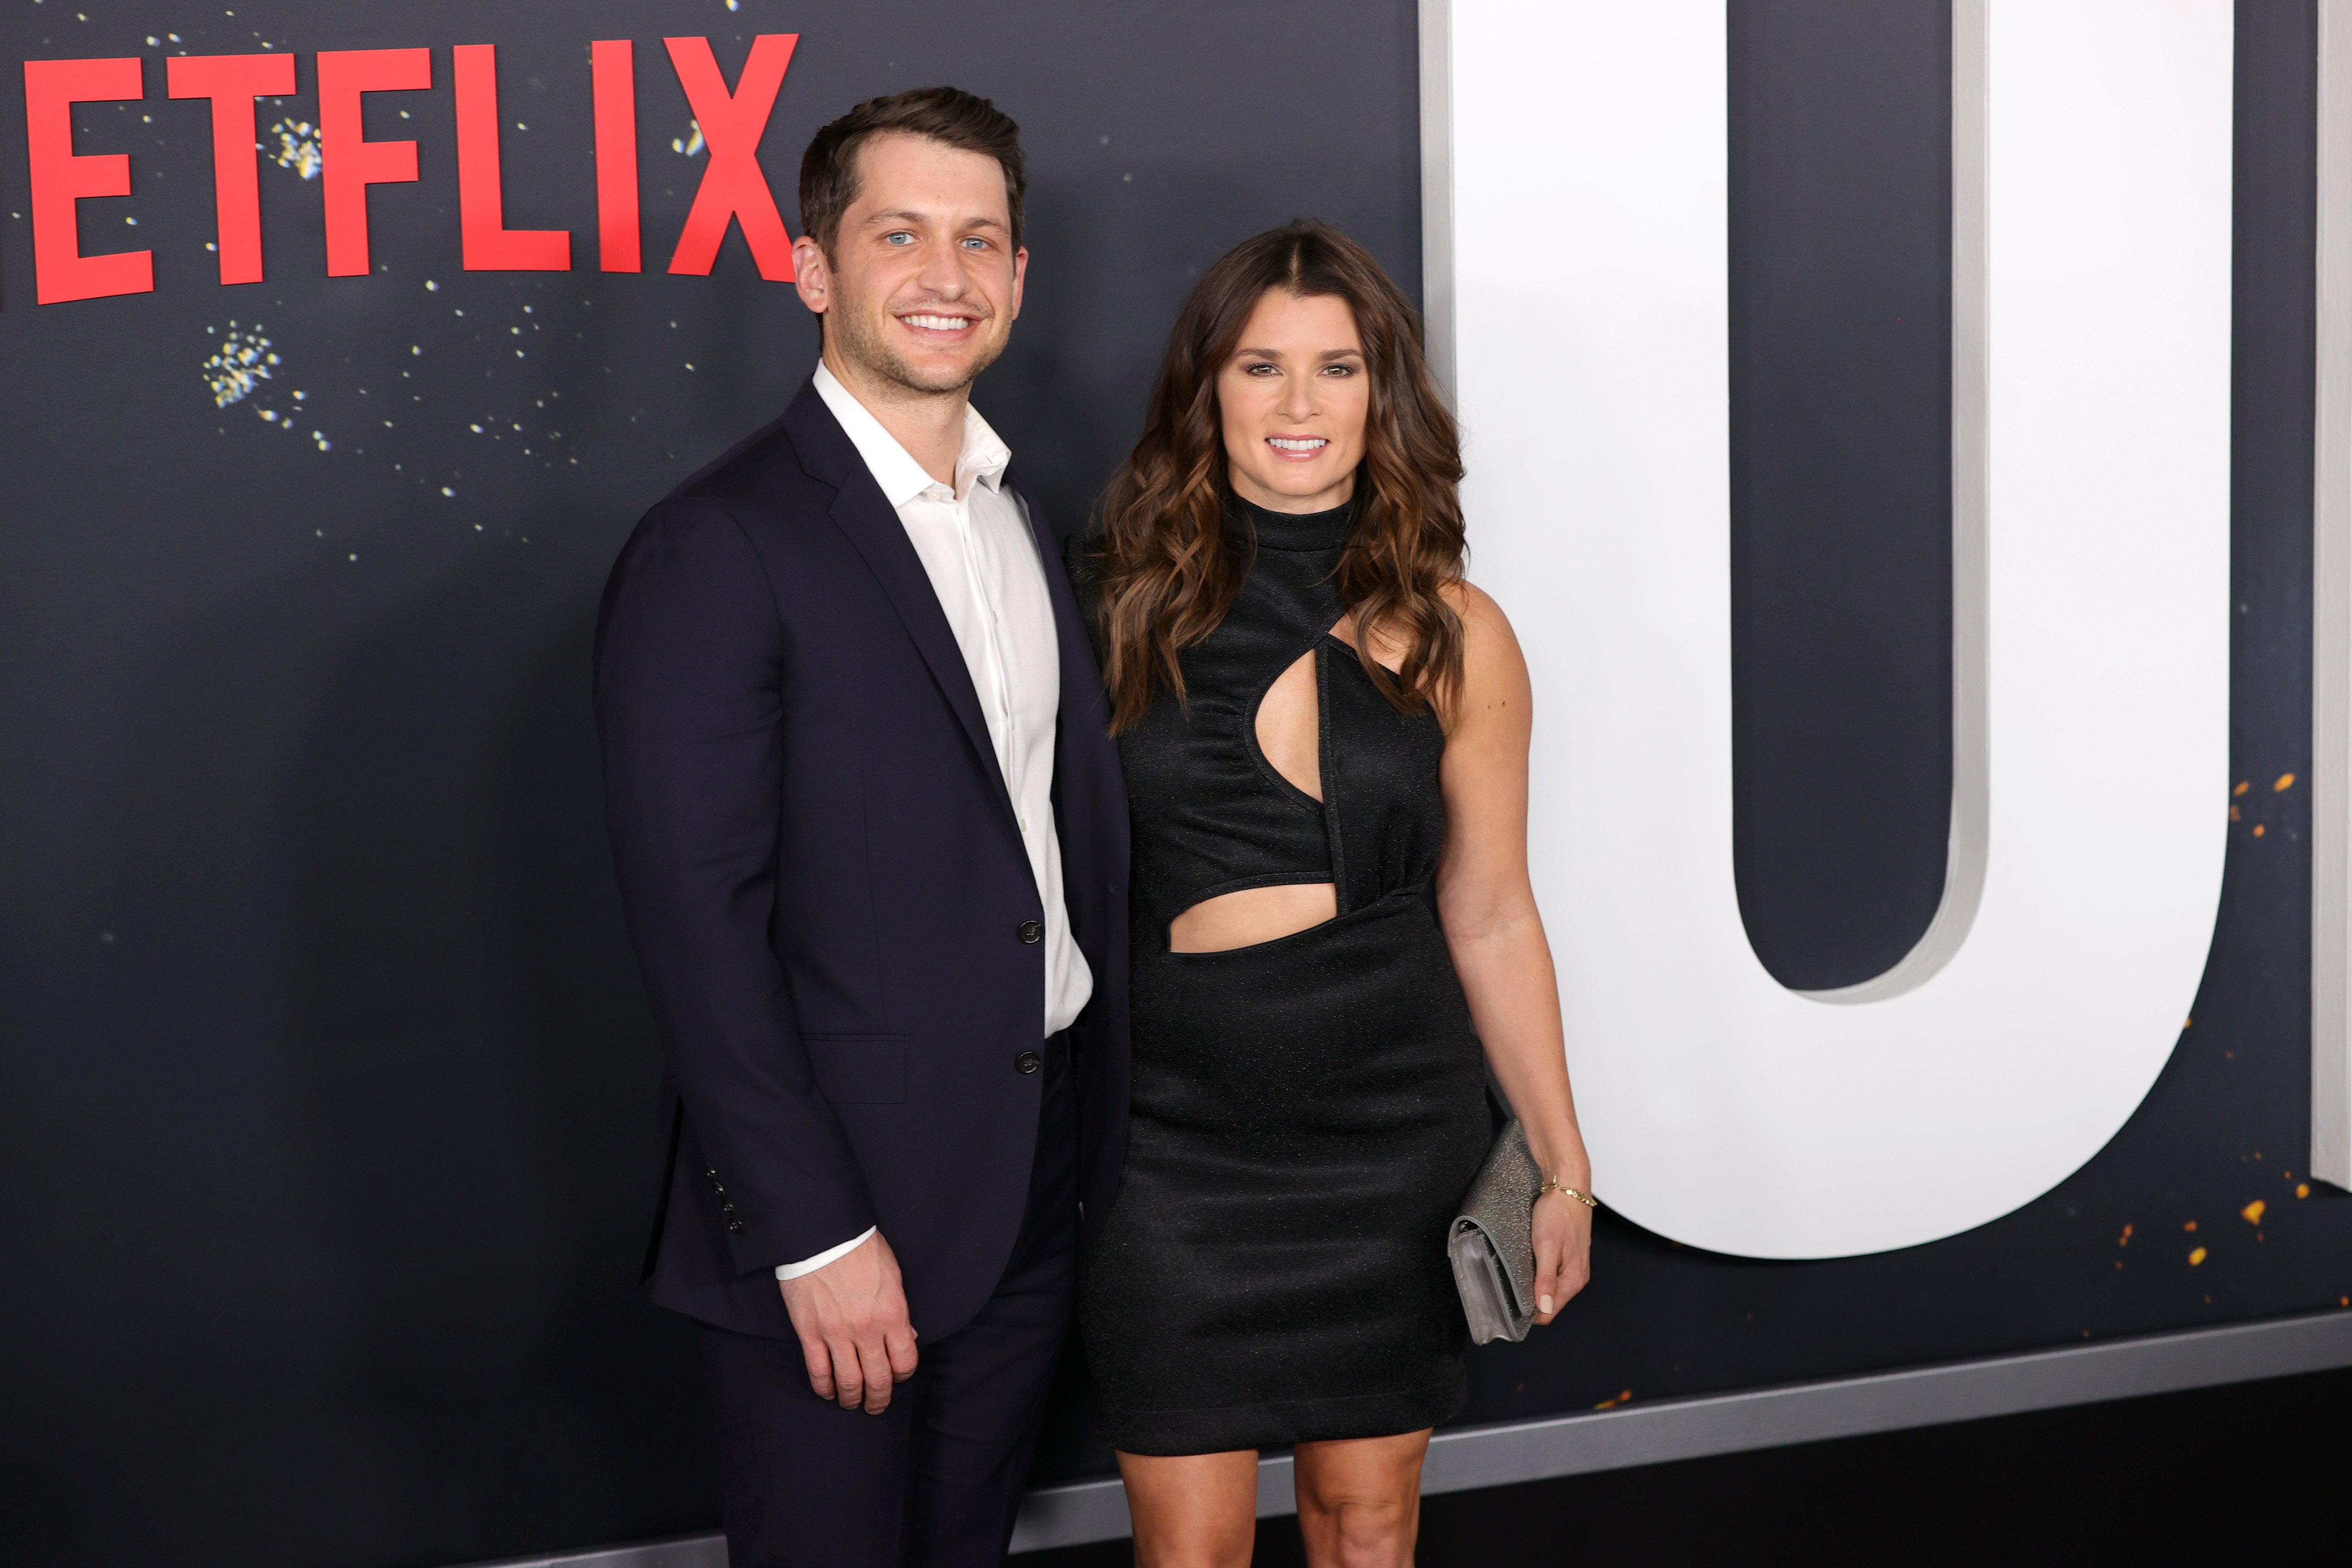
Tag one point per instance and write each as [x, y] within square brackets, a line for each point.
[1563, 1252]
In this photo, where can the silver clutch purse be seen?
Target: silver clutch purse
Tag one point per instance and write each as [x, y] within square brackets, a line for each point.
[1492, 1243]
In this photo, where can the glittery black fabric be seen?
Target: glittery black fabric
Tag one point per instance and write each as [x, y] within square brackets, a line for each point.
[1308, 1111]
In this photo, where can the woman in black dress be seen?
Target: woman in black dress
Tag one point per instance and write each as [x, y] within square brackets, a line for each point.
[1324, 733]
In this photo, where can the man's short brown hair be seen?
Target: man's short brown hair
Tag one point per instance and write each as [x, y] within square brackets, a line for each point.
[944, 114]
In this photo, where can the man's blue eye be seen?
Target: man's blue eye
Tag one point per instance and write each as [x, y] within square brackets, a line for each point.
[898, 237]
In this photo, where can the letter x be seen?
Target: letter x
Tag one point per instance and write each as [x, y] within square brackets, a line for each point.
[733, 185]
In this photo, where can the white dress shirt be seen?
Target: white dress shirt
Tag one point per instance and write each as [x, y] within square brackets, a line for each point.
[974, 540]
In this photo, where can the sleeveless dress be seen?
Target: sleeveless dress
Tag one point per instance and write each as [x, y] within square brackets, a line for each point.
[1308, 1111]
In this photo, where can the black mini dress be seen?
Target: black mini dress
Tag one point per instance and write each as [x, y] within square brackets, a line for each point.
[1308, 1111]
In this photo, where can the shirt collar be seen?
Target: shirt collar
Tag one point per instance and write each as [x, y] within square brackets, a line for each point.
[985, 457]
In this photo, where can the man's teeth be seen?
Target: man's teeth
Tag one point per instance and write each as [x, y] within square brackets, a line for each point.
[1293, 444]
[939, 323]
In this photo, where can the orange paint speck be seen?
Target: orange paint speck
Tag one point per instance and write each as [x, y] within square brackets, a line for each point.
[2285, 783]
[2258, 830]
[2190, 1225]
[2303, 1189]
[2234, 814]
[2252, 1213]
[2196, 1257]
[2243, 786]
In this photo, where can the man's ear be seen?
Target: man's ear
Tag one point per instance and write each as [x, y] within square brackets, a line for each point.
[812, 274]
[1020, 276]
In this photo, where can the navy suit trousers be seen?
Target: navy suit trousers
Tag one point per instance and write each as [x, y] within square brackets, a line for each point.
[935, 1481]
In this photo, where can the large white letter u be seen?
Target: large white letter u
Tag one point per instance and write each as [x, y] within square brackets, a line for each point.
[1580, 290]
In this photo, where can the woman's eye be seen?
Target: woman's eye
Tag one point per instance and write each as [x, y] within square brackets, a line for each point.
[1261, 370]
[1339, 370]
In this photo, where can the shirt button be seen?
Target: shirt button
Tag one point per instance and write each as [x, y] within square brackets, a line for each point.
[1027, 1062]
[1031, 930]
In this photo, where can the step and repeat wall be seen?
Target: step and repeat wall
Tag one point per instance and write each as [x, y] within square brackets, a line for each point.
[341, 345]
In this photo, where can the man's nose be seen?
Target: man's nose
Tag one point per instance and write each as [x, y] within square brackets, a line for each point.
[943, 271]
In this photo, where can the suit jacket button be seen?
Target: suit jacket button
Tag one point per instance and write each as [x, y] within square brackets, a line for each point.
[1031, 931]
[735, 1227]
[1027, 1061]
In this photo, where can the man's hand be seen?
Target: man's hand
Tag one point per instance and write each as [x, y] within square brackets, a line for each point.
[851, 1316]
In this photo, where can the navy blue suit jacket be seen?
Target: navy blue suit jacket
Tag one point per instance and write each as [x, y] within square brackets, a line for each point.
[825, 883]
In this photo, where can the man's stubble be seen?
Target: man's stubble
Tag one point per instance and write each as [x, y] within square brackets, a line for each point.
[867, 351]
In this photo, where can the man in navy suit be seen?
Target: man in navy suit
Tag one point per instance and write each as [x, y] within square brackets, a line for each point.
[872, 845]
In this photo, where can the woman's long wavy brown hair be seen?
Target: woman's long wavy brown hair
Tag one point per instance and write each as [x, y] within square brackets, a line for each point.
[1165, 566]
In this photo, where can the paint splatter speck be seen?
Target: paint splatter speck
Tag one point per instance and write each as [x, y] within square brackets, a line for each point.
[298, 147]
[691, 142]
[2252, 1213]
[2196, 1257]
[240, 364]
[2285, 783]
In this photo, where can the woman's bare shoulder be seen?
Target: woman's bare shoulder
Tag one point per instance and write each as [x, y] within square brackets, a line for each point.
[1486, 631]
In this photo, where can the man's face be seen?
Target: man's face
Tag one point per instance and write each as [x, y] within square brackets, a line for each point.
[923, 283]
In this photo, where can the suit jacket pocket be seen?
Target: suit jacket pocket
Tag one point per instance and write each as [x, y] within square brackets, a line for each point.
[859, 1070]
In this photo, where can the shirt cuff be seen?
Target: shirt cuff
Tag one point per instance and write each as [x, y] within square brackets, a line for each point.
[811, 1265]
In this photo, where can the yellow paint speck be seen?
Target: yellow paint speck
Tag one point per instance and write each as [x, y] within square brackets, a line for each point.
[2196, 1257]
[2303, 1189]
[2252, 1213]
[2285, 783]
[2243, 787]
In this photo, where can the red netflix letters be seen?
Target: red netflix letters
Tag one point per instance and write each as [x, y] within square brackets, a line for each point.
[733, 189]
[61, 179]
[733, 185]
[613, 64]
[489, 245]
[232, 82]
[348, 161]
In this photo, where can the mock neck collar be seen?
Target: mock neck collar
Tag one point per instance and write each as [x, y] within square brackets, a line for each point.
[1307, 531]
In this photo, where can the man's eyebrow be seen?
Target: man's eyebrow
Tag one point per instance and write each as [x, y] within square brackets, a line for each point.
[904, 215]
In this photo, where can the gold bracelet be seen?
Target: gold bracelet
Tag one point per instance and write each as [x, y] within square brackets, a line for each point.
[1554, 1184]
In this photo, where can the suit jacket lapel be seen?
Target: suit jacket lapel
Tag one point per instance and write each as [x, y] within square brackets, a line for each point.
[862, 512]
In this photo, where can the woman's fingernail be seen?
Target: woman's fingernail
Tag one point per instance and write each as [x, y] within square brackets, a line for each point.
[1543, 1304]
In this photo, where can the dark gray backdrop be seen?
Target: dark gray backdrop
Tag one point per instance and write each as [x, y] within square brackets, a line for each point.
[324, 1079]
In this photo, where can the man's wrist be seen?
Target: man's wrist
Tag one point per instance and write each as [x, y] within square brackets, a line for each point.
[831, 1254]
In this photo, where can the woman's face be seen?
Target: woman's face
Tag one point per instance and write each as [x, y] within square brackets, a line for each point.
[1293, 399]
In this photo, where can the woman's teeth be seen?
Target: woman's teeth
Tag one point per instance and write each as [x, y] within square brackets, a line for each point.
[1295, 444]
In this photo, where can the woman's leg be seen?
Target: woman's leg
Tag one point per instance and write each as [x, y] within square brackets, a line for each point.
[1192, 1511]
[1360, 1500]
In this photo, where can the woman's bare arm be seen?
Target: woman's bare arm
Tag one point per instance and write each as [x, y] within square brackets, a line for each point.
[1487, 906]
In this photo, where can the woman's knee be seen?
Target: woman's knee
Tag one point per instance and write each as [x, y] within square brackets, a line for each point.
[1374, 1533]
